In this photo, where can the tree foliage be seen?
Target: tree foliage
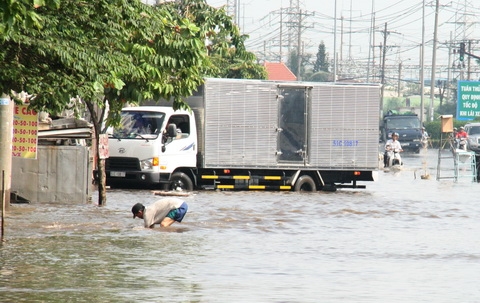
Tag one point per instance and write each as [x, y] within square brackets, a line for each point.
[321, 64]
[115, 52]
[19, 14]
[227, 54]
[320, 76]
[293, 60]
[123, 50]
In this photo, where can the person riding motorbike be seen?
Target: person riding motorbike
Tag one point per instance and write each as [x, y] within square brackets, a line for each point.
[461, 138]
[392, 150]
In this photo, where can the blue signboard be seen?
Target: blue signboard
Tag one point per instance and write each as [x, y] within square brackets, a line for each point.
[468, 100]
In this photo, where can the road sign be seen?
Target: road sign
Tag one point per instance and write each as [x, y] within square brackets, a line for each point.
[468, 100]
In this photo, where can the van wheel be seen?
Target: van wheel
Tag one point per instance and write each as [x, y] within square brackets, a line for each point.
[180, 181]
[305, 183]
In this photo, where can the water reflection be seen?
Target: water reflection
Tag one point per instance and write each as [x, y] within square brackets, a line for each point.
[403, 239]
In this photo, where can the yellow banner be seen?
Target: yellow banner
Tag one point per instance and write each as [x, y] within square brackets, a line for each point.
[25, 130]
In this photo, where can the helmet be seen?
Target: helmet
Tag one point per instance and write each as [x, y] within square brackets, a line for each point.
[461, 127]
[395, 134]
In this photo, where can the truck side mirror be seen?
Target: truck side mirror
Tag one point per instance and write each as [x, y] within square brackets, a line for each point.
[172, 130]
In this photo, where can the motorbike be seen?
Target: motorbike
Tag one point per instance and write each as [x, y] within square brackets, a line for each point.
[462, 143]
[392, 158]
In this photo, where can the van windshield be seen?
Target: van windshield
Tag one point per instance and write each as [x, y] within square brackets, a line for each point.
[139, 125]
[474, 130]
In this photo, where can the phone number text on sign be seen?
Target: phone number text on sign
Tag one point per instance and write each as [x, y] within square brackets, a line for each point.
[348, 143]
[25, 131]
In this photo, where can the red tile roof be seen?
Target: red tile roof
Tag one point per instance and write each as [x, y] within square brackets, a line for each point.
[279, 71]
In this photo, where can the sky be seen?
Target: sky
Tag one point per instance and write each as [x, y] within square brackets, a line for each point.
[457, 20]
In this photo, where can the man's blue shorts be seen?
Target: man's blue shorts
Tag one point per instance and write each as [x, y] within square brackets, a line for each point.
[178, 213]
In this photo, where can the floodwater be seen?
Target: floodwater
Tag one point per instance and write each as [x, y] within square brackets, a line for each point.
[402, 239]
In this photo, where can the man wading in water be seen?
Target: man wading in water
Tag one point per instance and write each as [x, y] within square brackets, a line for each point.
[164, 212]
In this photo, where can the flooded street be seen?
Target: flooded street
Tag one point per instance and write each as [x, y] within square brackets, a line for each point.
[402, 239]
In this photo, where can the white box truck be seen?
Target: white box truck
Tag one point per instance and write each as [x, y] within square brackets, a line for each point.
[251, 135]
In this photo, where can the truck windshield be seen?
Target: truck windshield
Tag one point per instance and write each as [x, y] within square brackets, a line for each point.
[139, 125]
[403, 123]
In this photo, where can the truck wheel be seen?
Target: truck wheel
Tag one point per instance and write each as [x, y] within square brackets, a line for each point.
[180, 181]
[305, 183]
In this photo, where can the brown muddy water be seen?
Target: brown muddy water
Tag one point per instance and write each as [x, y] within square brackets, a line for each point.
[402, 239]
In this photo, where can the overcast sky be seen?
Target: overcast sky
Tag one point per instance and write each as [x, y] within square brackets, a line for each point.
[261, 18]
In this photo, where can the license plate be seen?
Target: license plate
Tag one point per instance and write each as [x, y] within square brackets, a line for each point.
[404, 144]
[117, 174]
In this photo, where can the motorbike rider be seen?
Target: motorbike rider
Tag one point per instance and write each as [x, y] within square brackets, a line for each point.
[460, 137]
[461, 133]
[392, 145]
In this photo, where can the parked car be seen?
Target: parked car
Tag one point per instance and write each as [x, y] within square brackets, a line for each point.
[473, 131]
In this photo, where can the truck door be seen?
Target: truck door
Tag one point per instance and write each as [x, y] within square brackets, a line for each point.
[292, 131]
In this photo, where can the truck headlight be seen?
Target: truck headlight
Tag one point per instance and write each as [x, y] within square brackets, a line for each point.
[149, 163]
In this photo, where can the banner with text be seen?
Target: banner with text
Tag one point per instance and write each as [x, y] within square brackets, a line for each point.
[468, 100]
[25, 129]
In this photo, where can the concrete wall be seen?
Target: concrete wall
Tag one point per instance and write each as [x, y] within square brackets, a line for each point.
[59, 174]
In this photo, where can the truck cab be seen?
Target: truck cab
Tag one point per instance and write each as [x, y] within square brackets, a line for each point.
[408, 127]
[148, 147]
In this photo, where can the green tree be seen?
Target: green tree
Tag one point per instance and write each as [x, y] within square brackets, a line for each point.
[113, 52]
[321, 64]
[20, 14]
[227, 54]
[320, 76]
[393, 104]
[104, 51]
[292, 63]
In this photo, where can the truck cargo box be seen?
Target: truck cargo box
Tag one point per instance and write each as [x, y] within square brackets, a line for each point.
[266, 124]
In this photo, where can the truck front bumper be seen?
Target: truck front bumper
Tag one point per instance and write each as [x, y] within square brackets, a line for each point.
[411, 145]
[136, 178]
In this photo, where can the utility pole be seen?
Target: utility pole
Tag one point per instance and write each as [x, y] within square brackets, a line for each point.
[300, 27]
[399, 89]
[281, 35]
[294, 27]
[434, 61]
[299, 48]
[468, 62]
[371, 46]
[233, 9]
[422, 63]
[335, 43]
[6, 130]
[341, 40]
[384, 54]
